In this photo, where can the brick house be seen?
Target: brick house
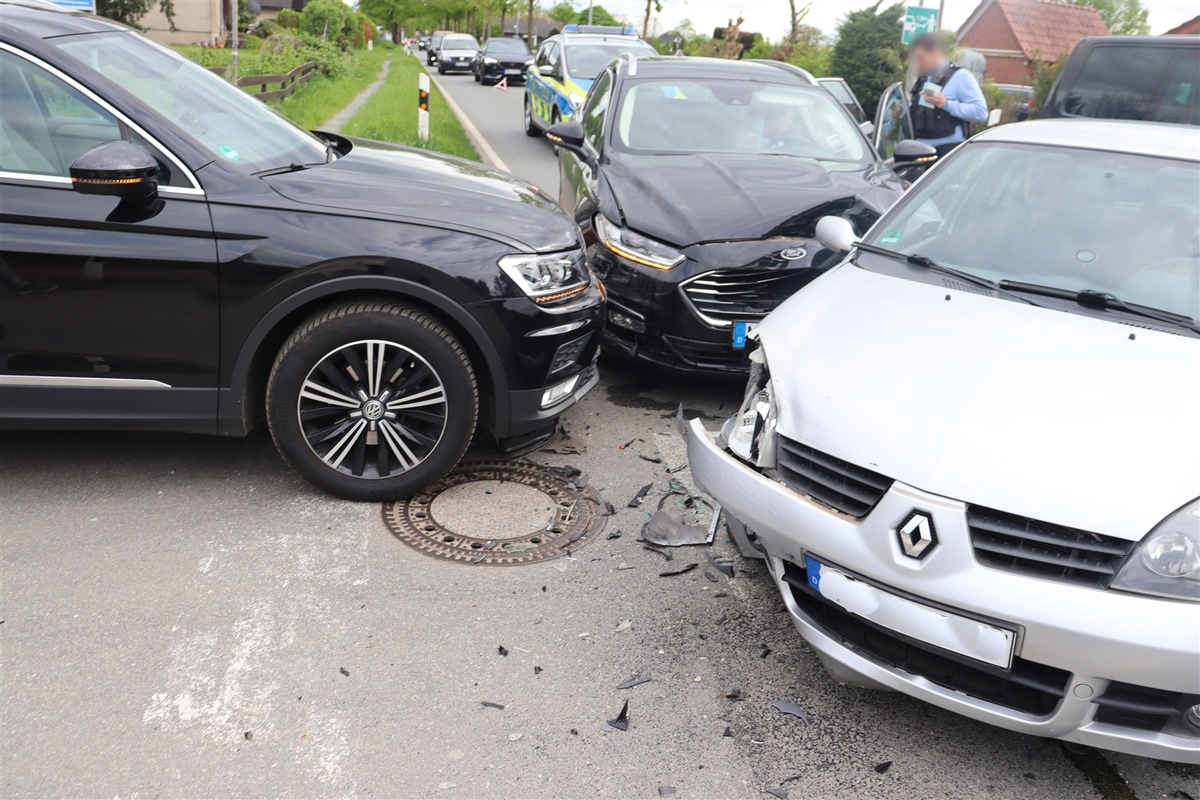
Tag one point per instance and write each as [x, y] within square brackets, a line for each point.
[1013, 34]
[1189, 27]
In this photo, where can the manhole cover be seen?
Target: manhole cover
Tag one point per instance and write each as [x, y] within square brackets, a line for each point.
[499, 513]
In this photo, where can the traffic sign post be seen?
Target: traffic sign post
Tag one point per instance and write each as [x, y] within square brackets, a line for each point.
[919, 20]
[423, 106]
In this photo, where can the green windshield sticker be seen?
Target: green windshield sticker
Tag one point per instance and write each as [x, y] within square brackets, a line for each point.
[228, 152]
[891, 237]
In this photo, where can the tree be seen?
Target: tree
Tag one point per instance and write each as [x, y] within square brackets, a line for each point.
[391, 14]
[130, 12]
[797, 18]
[562, 12]
[651, 6]
[1123, 17]
[326, 19]
[868, 53]
[600, 16]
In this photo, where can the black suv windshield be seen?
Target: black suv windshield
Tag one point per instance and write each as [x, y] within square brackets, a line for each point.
[237, 129]
[1075, 220]
[514, 46]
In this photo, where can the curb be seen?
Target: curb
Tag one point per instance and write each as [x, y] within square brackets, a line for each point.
[485, 150]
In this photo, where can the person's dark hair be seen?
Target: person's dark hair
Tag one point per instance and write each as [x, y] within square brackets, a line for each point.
[929, 42]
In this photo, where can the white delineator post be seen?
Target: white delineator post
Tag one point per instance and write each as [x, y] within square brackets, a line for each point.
[423, 107]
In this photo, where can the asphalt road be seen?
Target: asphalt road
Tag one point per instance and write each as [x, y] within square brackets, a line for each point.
[182, 616]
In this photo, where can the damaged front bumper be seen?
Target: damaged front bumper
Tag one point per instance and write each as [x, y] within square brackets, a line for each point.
[1074, 653]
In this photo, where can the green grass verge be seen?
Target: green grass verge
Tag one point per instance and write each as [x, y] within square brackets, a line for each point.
[391, 113]
[322, 97]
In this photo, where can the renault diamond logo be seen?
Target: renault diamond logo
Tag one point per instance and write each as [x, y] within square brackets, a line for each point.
[917, 536]
[793, 253]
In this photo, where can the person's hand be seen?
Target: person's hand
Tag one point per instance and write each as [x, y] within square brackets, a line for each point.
[937, 98]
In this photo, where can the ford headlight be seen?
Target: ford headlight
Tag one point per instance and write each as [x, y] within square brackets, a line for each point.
[751, 434]
[635, 247]
[1166, 563]
[547, 277]
[576, 100]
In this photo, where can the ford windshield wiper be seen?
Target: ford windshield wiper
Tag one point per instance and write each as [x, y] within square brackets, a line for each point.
[919, 260]
[1095, 299]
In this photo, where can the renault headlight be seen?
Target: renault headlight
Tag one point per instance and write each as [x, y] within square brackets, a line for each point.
[635, 247]
[751, 434]
[547, 277]
[490, 60]
[1166, 563]
[575, 99]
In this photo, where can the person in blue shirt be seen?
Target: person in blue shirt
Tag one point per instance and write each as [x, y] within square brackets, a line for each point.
[945, 99]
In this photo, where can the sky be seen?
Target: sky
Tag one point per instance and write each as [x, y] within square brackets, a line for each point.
[770, 17]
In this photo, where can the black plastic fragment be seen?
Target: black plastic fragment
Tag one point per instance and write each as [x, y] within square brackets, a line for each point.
[721, 619]
[574, 732]
[490, 704]
[502, 650]
[608, 509]
[621, 723]
[344, 671]
[884, 767]
[766, 651]
[728, 732]
[788, 707]
[666, 791]
[735, 695]
[651, 459]
[721, 594]
[781, 793]
[725, 569]
[248, 735]
[711, 577]
[614, 534]
[536, 669]
[680, 571]
[662, 553]
[640, 496]
[636, 680]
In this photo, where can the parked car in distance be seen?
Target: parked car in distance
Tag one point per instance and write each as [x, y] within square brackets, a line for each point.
[435, 42]
[456, 53]
[960, 449]
[1152, 78]
[501, 58]
[422, 42]
[176, 256]
[699, 183]
[565, 67]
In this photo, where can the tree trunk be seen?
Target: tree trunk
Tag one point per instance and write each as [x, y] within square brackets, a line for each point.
[529, 33]
[646, 21]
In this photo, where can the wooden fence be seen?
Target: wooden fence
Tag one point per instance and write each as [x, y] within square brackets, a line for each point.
[287, 83]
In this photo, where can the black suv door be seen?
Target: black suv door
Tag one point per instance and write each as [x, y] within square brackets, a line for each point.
[117, 304]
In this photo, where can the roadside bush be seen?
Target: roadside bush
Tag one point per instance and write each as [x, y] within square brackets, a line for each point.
[253, 43]
[327, 20]
[288, 19]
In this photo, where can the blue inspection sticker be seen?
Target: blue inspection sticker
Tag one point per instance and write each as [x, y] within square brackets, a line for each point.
[813, 567]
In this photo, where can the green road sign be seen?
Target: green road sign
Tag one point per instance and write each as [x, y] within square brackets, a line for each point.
[918, 20]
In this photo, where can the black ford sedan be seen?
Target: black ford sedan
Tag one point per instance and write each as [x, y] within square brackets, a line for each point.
[176, 256]
[698, 184]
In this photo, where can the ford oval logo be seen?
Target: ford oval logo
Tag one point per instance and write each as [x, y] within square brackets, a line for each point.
[793, 253]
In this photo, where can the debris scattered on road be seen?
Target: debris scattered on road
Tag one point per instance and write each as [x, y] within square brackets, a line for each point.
[631, 441]
[624, 626]
[651, 459]
[725, 569]
[447, 785]
[766, 651]
[490, 704]
[574, 732]
[665, 555]
[680, 571]
[344, 671]
[669, 530]
[536, 669]
[614, 534]
[721, 620]
[735, 695]
[788, 707]
[728, 732]
[711, 576]
[623, 565]
[636, 680]
[884, 767]
[621, 723]
[502, 650]
[721, 594]
[248, 735]
[666, 791]
[608, 511]
[781, 793]
[640, 496]
[512, 737]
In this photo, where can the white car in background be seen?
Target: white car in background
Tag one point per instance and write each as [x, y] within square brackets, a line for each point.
[970, 454]
[456, 53]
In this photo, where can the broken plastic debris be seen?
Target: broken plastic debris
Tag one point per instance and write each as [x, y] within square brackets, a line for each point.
[248, 735]
[502, 650]
[636, 680]
[640, 496]
[766, 651]
[608, 510]
[490, 704]
[651, 459]
[728, 732]
[536, 669]
[623, 565]
[788, 707]
[512, 737]
[447, 785]
[624, 626]
[584, 635]
[614, 534]
[669, 530]
[884, 767]
[735, 695]
[679, 571]
[665, 555]
[711, 576]
[666, 791]
[721, 619]
[344, 671]
[781, 793]
[621, 723]
[724, 568]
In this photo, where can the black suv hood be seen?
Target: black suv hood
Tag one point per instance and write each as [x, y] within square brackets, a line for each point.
[413, 185]
[688, 199]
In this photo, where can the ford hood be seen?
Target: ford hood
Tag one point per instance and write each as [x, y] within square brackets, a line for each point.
[1047, 414]
[414, 185]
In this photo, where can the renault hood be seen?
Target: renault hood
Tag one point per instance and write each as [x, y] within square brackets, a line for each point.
[407, 184]
[1056, 416]
[688, 199]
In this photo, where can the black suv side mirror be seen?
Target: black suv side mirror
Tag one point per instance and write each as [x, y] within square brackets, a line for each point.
[569, 136]
[116, 169]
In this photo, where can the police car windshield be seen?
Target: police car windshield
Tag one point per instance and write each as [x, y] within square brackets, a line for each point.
[1075, 220]
[585, 61]
[727, 116]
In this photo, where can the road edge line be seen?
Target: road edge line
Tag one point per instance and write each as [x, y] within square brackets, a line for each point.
[481, 145]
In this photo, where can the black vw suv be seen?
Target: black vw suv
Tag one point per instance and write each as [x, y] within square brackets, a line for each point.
[176, 256]
[699, 183]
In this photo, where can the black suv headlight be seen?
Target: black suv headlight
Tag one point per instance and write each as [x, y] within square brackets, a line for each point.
[1166, 562]
[547, 277]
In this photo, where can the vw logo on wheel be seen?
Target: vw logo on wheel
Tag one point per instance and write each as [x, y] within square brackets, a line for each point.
[917, 535]
[793, 253]
[373, 410]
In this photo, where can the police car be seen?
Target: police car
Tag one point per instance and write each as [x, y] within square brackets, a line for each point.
[565, 67]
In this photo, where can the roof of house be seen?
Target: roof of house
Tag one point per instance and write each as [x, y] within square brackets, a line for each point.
[1043, 29]
[1191, 26]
